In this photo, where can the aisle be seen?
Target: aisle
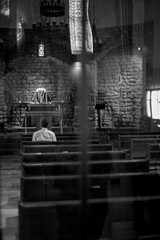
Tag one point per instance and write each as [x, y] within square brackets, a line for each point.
[10, 193]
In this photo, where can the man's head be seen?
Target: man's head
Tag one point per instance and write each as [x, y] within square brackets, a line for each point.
[44, 123]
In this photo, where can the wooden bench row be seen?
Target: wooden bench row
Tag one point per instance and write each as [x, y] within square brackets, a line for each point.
[38, 169]
[137, 146]
[125, 140]
[146, 149]
[153, 153]
[94, 167]
[65, 148]
[113, 135]
[51, 204]
[65, 137]
[59, 142]
[67, 187]
[64, 166]
[127, 217]
[72, 156]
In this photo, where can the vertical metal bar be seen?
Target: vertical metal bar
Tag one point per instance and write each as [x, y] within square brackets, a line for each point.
[84, 132]
[25, 123]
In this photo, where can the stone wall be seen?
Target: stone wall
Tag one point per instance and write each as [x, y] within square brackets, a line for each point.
[29, 73]
[3, 107]
[116, 73]
[123, 74]
[120, 87]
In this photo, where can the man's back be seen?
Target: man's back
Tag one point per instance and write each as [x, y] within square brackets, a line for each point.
[44, 135]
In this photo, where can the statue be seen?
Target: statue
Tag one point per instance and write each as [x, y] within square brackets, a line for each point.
[40, 96]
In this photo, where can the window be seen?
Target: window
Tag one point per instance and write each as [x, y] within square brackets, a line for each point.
[153, 103]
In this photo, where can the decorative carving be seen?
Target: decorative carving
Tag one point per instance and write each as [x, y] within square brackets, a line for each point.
[29, 96]
[40, 96]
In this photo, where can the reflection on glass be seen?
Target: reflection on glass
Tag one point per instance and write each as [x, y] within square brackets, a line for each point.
[5, 8]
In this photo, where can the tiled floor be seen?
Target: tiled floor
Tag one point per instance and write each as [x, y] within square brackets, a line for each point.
[10, 194]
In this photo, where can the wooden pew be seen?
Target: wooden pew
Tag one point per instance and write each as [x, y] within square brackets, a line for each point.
[67, 187]
[64, 136]
[52, 202]
[139, 146]
[62, 218]
[124, 141]
[51, 208]
[113, 134]
[72, 156]
[66, 147]
[60, 142]
[95, 167]
[153, 154]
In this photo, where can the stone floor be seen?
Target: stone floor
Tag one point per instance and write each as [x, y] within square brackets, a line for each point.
[10, 194]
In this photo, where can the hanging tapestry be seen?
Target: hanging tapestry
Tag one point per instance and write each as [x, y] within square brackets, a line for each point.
[76, 29]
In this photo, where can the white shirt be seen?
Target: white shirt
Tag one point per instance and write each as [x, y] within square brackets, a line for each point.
[44, 135]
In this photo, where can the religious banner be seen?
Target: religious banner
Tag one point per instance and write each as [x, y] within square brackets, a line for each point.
[76, 28]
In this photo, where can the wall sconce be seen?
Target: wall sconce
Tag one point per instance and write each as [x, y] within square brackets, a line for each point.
[41, 50]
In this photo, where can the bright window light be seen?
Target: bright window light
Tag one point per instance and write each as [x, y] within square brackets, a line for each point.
[158, 104]
[148, 103]
[153, 104]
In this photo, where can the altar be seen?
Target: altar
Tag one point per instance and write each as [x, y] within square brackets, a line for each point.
[38, 111]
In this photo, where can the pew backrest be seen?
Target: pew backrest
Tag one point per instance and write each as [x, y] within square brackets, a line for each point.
[95, 167]
[65, 147]
[60, 142]
[65, 137]
[124, 141]
[153, 154]
[65, 187]
[72, 156]
[139, 146]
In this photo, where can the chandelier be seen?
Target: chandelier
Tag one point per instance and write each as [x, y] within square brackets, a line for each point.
[51, 18]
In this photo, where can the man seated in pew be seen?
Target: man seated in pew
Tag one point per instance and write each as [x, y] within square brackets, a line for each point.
[44, 134]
